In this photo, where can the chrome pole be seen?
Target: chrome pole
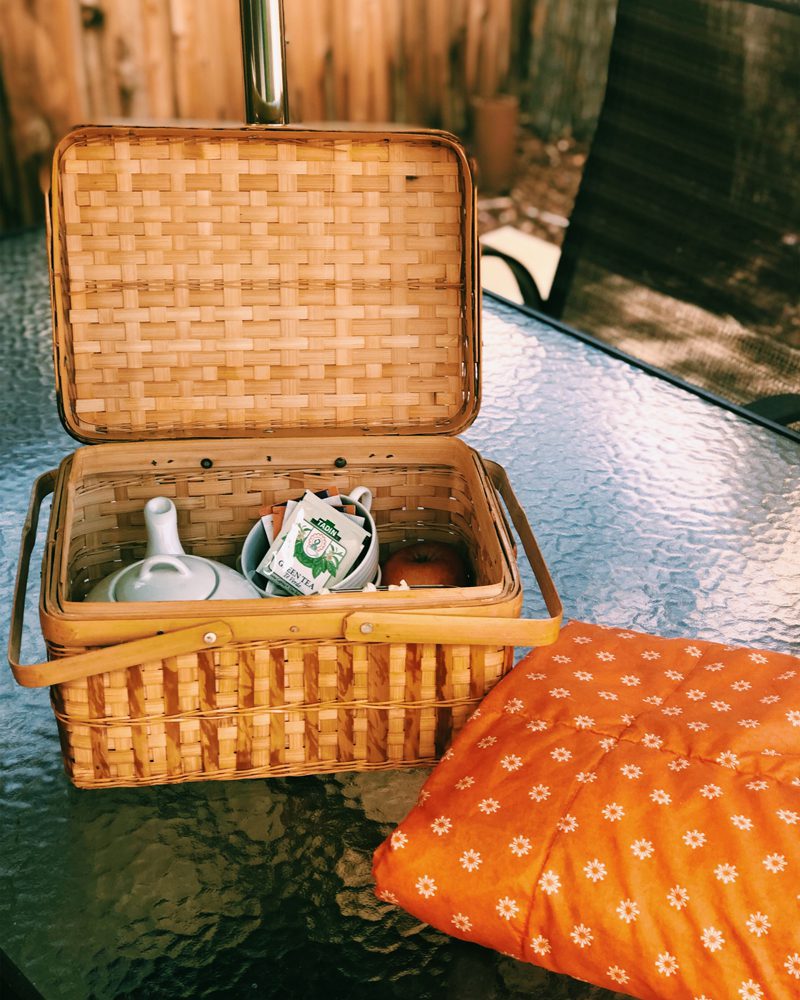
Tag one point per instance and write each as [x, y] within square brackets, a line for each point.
[263, 59]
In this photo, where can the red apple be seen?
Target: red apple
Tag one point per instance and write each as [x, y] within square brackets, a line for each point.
[426, 564]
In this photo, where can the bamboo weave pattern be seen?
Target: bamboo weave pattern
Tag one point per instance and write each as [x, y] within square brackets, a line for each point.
[224, 284]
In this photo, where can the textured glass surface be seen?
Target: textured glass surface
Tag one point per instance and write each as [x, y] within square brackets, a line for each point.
[655, 510]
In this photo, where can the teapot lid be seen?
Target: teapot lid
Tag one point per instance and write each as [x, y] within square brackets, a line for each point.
[167, 578]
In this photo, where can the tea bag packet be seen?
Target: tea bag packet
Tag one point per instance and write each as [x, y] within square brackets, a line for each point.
[315, 548]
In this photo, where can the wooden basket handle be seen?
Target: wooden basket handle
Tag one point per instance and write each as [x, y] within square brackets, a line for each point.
[359, 626]
[97, 661]
[472, 630]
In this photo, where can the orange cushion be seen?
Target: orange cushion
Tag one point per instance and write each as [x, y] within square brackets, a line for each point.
[624, 809]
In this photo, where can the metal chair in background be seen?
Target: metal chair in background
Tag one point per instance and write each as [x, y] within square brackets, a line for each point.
[684, 245]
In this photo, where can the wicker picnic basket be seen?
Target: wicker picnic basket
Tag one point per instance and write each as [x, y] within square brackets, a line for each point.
[241, 314]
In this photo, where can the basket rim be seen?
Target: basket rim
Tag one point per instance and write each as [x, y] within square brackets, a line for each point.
[67, 622]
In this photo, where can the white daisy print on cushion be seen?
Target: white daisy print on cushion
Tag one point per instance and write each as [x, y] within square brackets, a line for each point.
[550, 882]
[792, 965]
[514, 705]
[388, 897]
[607, 696]
[582, 935]
[520, 846]
[678, 897]
[471, 860]
[613, 812]
[594, 870]
[742, 822]
[466, 782]
[462, 922]
[441, 825]
[628, 910]
[775, 863]
[507, 907]
[426, 886]
[679, 764]
[617, 974]
[536, 726]
[712, 939]
[488, 806]
[694, 839]
[398, 840]
[660, 797]
[631, 771]
[511, 762]
[758, 924]
[726, 873]
[540, 945]
[666, 964]
[539, 793]
[750, 990]
[642, 848]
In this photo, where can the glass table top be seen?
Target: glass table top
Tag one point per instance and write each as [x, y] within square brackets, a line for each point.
[655, 509]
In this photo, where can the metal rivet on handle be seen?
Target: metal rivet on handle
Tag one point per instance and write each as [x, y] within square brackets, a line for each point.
[210, 637]
[367, 627]
[340, 463]
[294, 628]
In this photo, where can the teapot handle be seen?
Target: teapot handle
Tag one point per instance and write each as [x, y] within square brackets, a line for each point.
[148, 565]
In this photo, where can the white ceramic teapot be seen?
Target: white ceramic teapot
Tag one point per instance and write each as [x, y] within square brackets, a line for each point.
[167, 573]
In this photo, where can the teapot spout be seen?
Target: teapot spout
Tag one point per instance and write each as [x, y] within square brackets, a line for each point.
[161, 522]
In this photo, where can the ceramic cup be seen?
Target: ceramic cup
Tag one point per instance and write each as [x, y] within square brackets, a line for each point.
[366, 570]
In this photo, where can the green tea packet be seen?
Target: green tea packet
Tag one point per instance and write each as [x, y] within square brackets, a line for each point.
[315, 548]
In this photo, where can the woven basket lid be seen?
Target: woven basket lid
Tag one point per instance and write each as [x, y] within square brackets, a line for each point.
[246, 281]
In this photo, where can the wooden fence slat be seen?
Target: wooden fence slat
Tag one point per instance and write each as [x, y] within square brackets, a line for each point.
[415, 61]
